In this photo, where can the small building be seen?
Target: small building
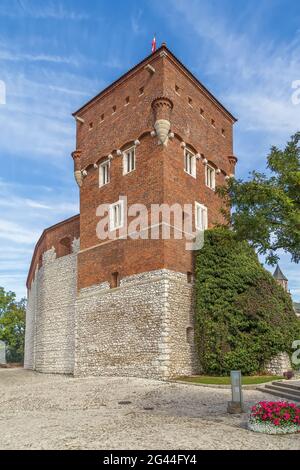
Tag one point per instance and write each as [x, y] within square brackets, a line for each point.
[280, 278]
[2, 353]
[283, 281]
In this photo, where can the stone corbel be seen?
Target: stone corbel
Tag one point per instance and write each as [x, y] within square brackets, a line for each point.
[232, 162]
[76, 155]
[162, 108]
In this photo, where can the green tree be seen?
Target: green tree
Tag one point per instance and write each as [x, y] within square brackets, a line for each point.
[243, 317]
[266, 208]
[12, 325]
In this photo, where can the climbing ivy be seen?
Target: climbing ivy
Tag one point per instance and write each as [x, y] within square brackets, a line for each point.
[243, 317]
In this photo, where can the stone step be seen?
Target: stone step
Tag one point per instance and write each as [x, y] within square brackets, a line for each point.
[282, 389]
[287, 385]
[282, 392]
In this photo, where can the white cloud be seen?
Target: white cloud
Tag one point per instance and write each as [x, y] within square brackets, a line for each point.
[254, 74]
[23, 218]
[136, 22]
[38, 10]
[16, 233]
[19, 56]
[36, 120]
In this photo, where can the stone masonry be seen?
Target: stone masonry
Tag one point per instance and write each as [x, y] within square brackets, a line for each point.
[49, 341]
[137, 329]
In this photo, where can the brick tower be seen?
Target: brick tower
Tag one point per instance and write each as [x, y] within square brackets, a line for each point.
[156, 136]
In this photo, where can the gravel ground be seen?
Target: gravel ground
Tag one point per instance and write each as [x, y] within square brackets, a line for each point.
[58, 412]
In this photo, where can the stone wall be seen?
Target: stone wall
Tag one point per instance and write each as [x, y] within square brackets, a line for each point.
[49, 339]
[137, 329]
[143, 328]
[279, 364]
[2, 353]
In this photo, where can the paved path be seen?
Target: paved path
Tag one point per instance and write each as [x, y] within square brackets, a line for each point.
[57, 412]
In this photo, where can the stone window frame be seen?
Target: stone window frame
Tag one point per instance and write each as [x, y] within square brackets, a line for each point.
[210, 177]
[201, 216]
[129, 168]
[190, 163]
[118, 223]
[104, 178]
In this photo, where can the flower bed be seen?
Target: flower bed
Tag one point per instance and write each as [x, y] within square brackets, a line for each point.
[275, 417]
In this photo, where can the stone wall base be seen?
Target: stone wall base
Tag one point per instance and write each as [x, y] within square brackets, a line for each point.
[143, 328]
[279, 364]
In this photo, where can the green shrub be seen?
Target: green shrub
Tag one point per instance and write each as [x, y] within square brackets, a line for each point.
[243, 317]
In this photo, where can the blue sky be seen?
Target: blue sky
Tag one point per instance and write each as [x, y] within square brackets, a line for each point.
[55, 55]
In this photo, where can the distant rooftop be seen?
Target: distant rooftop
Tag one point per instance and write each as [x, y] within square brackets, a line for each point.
[278, 274]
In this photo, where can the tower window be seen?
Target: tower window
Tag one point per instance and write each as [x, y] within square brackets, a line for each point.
[102, 117]
[190, 335]
[91, 125]
[104, 173]
[223, 132]
[127, 100]
[177, 89]
[213, 123]
[141, 91]
[210, 177]
[115, 280]
[114, 109]
[190, 101]
[116, 215]
[202, 112]
[189, 163]
[129, 160]
[201, 219]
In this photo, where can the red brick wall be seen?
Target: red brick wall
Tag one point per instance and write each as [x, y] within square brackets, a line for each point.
[159, 176]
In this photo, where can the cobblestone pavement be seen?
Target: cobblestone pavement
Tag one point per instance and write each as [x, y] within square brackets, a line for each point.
[58, 412]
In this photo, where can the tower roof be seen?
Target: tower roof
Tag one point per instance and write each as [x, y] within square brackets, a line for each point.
[148, 60]
[278, 274]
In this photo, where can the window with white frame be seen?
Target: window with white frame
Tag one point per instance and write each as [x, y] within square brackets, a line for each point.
[210, 177]
[116, 215]
[201, 220]
[128, 160]
[104, 173]
[189, 163]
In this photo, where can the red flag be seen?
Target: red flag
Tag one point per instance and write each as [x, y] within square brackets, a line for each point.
[154, 44]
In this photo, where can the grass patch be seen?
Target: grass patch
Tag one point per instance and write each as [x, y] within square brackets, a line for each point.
[246, 380]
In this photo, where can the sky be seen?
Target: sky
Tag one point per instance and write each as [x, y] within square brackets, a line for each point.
[55, 55]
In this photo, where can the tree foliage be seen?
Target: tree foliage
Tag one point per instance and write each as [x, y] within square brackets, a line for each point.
[266, 209]
[243, 317]
[12, 325]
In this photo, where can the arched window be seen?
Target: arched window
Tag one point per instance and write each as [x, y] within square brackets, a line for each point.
[65, 247]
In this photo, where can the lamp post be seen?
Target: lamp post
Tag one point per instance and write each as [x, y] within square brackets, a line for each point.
[236, 404]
